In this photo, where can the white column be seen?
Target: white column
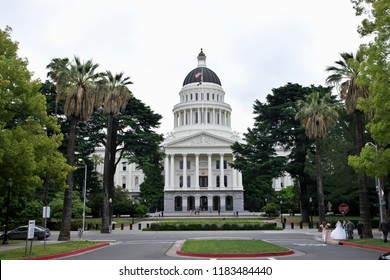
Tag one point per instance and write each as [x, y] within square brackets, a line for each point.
[222, 181]
[166, 169]
[199, 116]
[197, 171]
[184, 171]
[172, 170]
[210, 174]
[240, 179]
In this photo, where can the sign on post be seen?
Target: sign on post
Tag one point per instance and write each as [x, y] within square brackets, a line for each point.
[31, 228]
[343, 208]
[46, 212]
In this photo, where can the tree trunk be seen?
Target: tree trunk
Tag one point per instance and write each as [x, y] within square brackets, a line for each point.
[106, 178]
[364, 207]
[320, 187]
[67, 210]
[112, 168]
[304, 201]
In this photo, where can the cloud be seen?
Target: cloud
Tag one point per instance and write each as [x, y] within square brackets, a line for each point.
[252, 45]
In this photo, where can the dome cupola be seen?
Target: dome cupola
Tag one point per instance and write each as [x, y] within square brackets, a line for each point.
[201, 74]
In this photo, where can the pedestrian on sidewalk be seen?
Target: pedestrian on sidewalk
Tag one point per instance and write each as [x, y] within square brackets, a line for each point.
[325, 231]
[360, 229]
[385, 228]
[350, 227]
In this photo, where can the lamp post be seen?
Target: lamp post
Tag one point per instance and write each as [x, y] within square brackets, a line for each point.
[84, 191]
[281, 213]
[9, 186]
[378, 185]
[311, 210]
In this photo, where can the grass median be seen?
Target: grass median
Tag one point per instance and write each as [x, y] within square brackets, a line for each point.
[230, 247]
[45, 250]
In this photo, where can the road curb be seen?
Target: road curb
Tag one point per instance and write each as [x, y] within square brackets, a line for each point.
[385, 250]
[259, 255]
[241, 255]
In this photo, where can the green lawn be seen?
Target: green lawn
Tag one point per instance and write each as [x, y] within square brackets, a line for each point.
[230, 247]
[49, 249]
[376, 242]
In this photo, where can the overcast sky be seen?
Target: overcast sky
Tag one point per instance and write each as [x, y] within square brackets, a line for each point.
[252, 45]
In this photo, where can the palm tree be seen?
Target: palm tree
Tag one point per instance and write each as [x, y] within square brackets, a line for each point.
[316, 115]
[344, 75]
[116, 97]
[75, 81]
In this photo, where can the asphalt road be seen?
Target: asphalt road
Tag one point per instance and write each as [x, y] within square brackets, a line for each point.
[138, 245]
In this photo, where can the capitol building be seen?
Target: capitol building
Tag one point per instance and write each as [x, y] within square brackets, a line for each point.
[197, 170]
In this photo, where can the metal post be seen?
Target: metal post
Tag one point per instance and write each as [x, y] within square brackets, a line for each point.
[9, 185]
[378, 185]
[84, 193]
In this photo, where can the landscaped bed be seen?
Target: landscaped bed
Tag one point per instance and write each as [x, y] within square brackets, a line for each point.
[231, 248]
[212, 224]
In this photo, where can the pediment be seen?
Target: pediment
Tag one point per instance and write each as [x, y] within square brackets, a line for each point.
[202, 139]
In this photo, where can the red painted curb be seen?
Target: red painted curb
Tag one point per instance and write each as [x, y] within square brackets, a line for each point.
[250, 255]
[66, 254]
[385, 250]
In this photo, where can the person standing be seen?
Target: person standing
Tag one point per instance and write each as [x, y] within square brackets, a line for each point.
[385, 228]
[325, 231]
[338, 233]
[360, 229]
[350, 227]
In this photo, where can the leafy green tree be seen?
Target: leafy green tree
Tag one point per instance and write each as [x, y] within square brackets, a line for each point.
[77, 82]
[275, 125]
[29, 138]
[344, 75]
[317, 113]
[375, 72]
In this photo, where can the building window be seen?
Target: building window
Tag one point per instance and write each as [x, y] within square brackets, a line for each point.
[208, 96]
[218, 181]
[191, 96]
[188, 181]
[124, 182]
[136, 181]
[203, 181]
[124, 166]
[181, 181]
[188, 164]
[225, 181]
[178, 203]
[218, 165]
[196, 96]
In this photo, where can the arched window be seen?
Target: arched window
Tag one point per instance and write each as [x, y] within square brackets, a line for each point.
[178, 203]
[229, 203]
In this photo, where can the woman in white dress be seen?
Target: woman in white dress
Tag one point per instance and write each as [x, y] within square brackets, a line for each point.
[338, 233]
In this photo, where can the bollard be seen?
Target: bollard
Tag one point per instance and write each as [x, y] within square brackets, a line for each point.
[139, 226]
[122, 226]
[301, 225]
[292, 225]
